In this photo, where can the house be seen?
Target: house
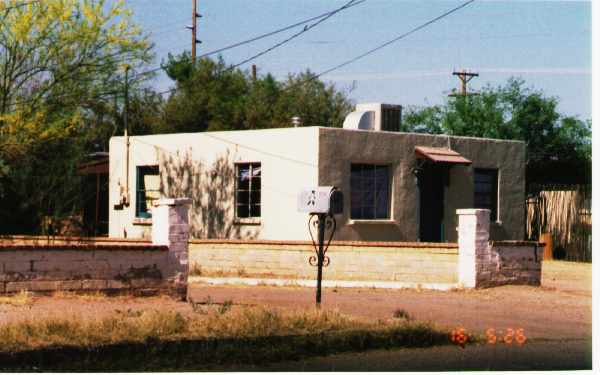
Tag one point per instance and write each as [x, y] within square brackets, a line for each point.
[244, 184]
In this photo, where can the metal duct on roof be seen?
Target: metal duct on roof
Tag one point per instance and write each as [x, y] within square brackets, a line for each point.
[360, 120]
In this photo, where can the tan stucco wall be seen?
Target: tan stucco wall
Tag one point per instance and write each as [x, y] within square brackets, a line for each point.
[202, 166]
[339, 148]
[403, 263]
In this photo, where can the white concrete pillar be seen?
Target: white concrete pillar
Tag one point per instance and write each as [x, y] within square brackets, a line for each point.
[473, 246]
[170, 227]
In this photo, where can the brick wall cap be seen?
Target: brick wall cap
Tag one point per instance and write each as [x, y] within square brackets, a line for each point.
[11, 239]
[449, 245]
[517, 243]
[172, 202]
[82, 246]
[471, 211]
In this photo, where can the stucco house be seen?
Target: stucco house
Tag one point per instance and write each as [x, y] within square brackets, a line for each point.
[244, 184]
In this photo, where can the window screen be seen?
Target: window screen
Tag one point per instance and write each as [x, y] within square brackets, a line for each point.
[486, 191]
[370, 191]
[147, 190]
[248, 176]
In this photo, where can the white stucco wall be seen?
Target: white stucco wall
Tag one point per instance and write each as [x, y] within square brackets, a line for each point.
[288, 158]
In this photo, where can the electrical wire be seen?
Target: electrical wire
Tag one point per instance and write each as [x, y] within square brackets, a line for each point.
[321, 17]
[294, 36]
[274, 32]
[371, 51]
[381, 46]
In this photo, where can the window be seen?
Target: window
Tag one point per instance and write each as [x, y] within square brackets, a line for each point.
[147, 190]
[486, 191]
[247, 190]
[369, 191]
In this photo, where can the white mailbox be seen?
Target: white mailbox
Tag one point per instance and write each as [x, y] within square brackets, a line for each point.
[320, 200]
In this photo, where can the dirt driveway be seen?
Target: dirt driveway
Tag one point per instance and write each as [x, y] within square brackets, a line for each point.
[560, 309]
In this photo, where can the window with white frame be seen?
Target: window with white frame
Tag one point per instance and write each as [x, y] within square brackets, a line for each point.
[247, 190]
[369, 191]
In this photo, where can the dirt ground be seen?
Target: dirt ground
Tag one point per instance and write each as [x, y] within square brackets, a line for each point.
[560, 309]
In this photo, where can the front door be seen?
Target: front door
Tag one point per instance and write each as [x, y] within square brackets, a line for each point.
[431, 180]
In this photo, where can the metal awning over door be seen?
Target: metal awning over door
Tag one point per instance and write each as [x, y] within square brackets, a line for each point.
[441, 155]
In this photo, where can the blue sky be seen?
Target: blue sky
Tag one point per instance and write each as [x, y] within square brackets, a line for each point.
[547, 43]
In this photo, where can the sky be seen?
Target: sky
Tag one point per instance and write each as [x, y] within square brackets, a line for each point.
[546, 43]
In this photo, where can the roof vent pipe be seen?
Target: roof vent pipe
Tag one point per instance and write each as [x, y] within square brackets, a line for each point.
[296, 121]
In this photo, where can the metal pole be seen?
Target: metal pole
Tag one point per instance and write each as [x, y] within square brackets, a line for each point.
[320, 256]
[126, 126]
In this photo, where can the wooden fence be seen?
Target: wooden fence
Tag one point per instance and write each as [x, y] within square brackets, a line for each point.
[565, 212]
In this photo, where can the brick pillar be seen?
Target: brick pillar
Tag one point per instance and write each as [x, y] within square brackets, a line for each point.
[473, 247]
[170, 227]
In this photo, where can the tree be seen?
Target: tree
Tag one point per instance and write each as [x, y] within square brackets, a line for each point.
[60, 62]
[208, 96]
[316, 103]
[213, 96]
[558, 147]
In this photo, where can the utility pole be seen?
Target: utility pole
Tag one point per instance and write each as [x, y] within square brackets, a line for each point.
[194, 27]
[464, 77]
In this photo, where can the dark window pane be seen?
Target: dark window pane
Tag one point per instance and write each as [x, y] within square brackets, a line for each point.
[243, 197]
[355, 211]
[255, 210]
[242, 211]
[486, 190]
[243, 184]
[255, 197]
[243, 170]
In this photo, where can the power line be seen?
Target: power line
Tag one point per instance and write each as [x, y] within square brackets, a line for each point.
[262, 36]
[369, 52]
[396, 39]
[294, 36]
[274, 32]
[321, 18]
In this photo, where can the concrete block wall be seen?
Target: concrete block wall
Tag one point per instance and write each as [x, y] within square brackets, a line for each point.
[349, 260]
[81, 267]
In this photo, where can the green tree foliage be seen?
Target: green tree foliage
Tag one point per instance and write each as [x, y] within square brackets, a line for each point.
[212, 96]
[558, 147]
[61, 65]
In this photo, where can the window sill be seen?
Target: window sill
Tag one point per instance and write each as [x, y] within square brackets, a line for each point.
[370, 221]
[142, 221]
[247, 221]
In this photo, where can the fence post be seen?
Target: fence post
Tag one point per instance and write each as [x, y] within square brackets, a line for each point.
[473, 246]
[170, 227]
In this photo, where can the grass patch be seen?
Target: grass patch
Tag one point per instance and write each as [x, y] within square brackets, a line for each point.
[20, 299]
[153, 340]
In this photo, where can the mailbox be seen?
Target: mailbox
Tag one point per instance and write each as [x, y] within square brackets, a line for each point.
[321, 200]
